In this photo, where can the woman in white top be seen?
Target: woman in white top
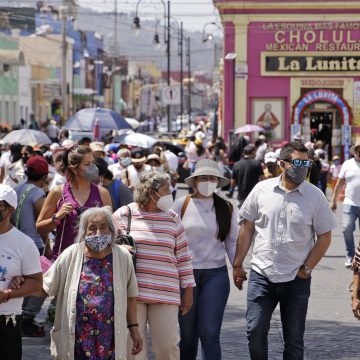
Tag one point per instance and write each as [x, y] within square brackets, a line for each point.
[210, 224]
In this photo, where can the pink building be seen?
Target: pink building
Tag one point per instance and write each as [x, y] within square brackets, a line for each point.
[293, 67]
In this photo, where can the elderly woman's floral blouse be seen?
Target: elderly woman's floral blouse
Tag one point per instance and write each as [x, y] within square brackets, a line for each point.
[94, 332]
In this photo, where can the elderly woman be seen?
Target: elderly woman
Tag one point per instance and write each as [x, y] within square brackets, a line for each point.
[95, 285]
[163, 263]
[211, 227]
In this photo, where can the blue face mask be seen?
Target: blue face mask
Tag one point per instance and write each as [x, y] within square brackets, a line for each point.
[98, 242]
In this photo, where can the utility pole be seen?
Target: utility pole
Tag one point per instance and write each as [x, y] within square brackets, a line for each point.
[168, 63]
[181, 77]
[188, 63]
[114, 56]
[64, 92]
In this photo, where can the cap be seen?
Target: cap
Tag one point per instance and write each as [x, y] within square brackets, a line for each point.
[122, 152]
[137, 155]
[96, 146]
[8, 194]
[262, 137]
[270, 157]
[37, 165]
[336, 157]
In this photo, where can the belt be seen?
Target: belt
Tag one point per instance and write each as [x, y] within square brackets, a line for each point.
[11, 319]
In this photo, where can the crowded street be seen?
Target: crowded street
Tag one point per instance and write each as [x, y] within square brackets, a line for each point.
[179, 179]
[330, 329]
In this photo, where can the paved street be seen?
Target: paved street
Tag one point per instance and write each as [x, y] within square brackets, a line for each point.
[331, 328]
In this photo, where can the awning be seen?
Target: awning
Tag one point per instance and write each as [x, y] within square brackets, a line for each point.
[12, 57]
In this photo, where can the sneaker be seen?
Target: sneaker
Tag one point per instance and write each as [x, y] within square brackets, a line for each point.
[229, 195]
[348, 261]
[29, 328]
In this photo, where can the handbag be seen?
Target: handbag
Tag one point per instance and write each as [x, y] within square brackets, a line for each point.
[127, 239]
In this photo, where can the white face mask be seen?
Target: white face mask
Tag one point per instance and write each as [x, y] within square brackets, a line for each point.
[165, 202]
[206, 188]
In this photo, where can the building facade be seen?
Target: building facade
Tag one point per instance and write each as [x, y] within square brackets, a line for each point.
[293, 67]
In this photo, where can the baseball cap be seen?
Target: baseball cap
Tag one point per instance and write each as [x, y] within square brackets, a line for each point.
[37, 165]
[270, 157]
[8, 194]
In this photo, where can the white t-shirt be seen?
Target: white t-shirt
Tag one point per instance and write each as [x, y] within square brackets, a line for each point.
[5, 162]
[201, 229]
[18, 256]
[134, 175]
[350, 171]
[172, 160]
[116, 170]
[57, 180]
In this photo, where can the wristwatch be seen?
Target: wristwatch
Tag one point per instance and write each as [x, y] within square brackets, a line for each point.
[307, 270]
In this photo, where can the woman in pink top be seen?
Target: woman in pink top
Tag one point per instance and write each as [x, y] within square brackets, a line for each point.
[65, 203]
[163, 264]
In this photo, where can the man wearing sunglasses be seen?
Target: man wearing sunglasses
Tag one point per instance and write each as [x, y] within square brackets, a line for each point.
[349, 174]
[290, 222]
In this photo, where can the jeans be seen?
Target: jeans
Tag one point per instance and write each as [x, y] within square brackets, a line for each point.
[350, 215]
[262, 299]
[31, 306]
[205, 318]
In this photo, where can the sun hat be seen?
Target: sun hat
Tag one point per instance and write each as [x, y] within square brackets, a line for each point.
[153, 157]
[356, 145]
[336, 157]
[207, 167]
[8, 194]
[270, 157]
[37, 165]
[123, 151]
[138, 155]
[96, 146]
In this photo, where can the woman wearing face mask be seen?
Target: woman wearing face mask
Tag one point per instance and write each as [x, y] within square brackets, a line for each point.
[95, 286]
[65, 203]
[210, 224]
[163, 264]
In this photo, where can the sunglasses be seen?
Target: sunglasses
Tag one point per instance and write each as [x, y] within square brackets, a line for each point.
[298, 163]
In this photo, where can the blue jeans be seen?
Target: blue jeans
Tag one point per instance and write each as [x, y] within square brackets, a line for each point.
[205, 318]
[262, 299]
[350, 215]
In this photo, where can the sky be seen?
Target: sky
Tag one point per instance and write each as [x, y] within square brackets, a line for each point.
[195, 14]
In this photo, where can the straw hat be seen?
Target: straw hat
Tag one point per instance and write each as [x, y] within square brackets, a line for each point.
[357, 144]
[207, 167]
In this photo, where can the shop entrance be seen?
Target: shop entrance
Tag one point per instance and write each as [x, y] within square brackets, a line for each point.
[324, 123]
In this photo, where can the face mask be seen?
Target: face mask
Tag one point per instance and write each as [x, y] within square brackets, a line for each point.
[165, 203]
[336, 162]
[296, 174]
[25, 159]
[98, 242]
[206, 188]
[92, 172]
[125, 162]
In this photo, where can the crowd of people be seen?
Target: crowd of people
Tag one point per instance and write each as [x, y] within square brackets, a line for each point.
[65, 210]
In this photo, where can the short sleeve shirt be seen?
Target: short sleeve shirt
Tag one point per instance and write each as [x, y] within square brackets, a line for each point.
[286, 225]
[350, 171]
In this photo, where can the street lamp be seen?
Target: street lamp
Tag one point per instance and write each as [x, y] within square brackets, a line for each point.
[137, 27]
[230, 58]
[208, 36]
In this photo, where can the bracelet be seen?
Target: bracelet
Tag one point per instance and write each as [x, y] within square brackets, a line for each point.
[8, 291]
[132, 325]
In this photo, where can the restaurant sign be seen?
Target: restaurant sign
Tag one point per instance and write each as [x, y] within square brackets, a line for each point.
[300, 64]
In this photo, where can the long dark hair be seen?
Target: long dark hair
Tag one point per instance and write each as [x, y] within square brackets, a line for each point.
[223, 211]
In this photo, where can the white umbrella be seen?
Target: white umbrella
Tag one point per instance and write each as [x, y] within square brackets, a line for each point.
[248, 128]
[135, 139]
[26, 137]
[133, 122]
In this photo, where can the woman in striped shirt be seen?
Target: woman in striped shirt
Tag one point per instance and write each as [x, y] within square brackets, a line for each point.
[163, 264]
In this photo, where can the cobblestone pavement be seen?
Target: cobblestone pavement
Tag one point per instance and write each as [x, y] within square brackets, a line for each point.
[331, 330]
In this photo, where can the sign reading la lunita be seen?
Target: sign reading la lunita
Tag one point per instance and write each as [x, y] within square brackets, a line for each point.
[285, 64]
